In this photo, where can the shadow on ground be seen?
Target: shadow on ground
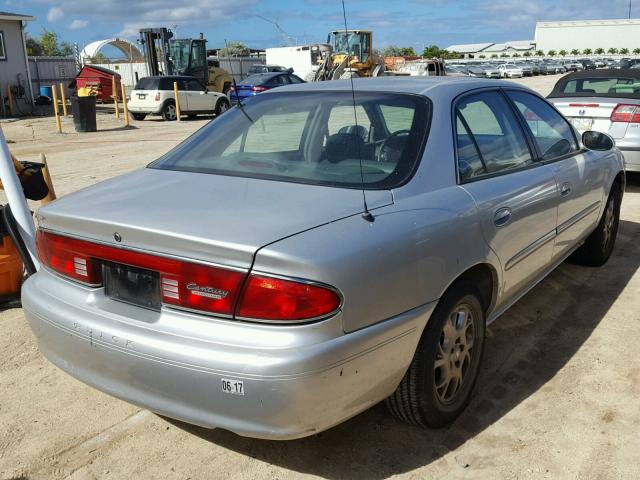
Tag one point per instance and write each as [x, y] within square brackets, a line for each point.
[526, 347]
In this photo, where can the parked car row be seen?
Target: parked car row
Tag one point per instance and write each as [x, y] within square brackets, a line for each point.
[533, 66]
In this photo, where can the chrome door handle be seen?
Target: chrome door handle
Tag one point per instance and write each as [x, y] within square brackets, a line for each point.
[565, 189]
[502, 217]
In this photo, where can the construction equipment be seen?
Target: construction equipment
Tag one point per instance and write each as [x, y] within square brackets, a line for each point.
[351, 56]
[184, 56]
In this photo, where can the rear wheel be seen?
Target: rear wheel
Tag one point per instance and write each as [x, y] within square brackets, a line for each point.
[222, 106]
[598, 246]
[139, 116]
[169, 112]
[438, 384]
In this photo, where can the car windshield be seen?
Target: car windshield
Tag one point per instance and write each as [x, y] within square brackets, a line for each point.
[319, 138]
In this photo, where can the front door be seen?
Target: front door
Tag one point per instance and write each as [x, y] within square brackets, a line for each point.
[516, 196]
[197, 99]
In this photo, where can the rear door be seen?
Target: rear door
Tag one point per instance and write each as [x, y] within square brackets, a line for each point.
[579, 173]
[516, 195]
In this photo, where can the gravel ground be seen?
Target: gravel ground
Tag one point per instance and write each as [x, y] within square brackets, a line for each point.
[557, 396]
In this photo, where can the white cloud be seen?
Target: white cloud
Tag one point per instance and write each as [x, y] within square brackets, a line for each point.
[78, 24]
[55, 14]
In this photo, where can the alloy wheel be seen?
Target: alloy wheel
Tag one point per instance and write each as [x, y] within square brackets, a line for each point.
[609, 223]
[455, 353]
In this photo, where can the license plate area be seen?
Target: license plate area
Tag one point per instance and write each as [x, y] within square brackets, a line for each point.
[142, 96]
[132, 285]
[582, 123]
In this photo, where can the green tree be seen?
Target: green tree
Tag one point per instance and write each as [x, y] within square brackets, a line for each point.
[234, 49]
[636, 51]
[540, 53]
[599, 51]
[494, 55]
[526, 54]
[392, 51]
[433, 51]
[503, 55]
[551, 53]
[587, 51]
[516, 55]
[575, 51]
[624, 51]
[49, 44]
[408, 52]
[612, 51]
[563, 53]
[482, 56]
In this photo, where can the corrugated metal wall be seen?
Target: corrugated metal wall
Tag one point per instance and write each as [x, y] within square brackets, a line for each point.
[47, 71]
[130, 73]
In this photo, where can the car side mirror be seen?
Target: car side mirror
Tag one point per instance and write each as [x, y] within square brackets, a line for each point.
[290, 70]
[598, 141]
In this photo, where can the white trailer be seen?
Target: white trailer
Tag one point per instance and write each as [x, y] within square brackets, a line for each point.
[303, 58]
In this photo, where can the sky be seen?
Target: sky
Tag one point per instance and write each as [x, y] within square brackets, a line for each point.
[406, 23]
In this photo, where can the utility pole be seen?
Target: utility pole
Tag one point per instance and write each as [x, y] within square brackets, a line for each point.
[629, 9]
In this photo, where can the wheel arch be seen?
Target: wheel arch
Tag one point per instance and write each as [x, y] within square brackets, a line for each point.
[484, 276]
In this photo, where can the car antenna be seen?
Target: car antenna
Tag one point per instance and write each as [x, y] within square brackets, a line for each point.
[235, 86]
[366, 214]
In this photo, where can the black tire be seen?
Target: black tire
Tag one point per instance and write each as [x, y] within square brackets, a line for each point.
[139, 116]
[418, 400]
[222, 106]
[598, 246]
[169, 112]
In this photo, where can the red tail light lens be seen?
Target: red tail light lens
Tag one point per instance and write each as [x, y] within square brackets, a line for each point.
[626, 113]
[267, 298]
[193, 286]
[258, 89]
[68, 257]
[183, 284]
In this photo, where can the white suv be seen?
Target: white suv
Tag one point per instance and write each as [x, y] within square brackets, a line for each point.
[155, 96]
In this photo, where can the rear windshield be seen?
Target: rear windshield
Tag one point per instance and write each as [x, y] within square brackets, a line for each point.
[598, 87]
[147, 83]
[319, 138]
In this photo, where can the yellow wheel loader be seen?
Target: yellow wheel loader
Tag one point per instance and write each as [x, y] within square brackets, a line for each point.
[352, 56]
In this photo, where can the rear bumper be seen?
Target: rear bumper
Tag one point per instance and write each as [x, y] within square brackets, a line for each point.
[631, 158]
[298, 380]
[143, 109]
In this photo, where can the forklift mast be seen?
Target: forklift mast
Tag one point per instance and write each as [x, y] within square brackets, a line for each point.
[155, 43]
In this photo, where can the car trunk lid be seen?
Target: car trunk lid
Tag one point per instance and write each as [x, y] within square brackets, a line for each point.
[593, 113]
[210, 218]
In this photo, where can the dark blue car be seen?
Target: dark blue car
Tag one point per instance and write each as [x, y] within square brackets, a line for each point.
[255, 84]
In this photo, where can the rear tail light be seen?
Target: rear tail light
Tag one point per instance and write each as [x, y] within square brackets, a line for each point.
[258, 89]
[183, 284]
[276, 299]
[626, 113]
[193, 286]
[157, 97]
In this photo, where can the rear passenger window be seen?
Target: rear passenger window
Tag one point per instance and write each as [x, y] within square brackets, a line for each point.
[489, 138]
[552, 132]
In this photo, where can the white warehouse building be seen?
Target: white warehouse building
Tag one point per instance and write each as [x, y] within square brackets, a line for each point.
[593, 34]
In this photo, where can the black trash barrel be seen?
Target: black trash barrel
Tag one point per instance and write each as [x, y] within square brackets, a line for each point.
[84, 113]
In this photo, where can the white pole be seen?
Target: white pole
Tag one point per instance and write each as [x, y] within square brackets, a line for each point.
[17, 202]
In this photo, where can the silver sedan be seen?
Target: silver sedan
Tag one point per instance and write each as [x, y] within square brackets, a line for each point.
[316, 251]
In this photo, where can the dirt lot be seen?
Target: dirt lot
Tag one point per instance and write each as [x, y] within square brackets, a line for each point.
[557, 397]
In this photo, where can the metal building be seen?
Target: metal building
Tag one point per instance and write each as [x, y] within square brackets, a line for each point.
[14, 70]
[593, 34]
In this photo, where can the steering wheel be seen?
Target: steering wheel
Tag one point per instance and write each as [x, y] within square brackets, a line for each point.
[392, 142]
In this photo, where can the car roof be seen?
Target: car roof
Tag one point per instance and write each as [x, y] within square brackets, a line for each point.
[426, 86]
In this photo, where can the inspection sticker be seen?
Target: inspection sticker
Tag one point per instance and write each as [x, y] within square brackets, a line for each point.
[232, 386]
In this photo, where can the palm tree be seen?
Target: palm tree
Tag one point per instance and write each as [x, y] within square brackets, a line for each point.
[494, 55]
[612, 51]
[563, 53]
[528, 54]
[624, 51]
[636, 51]
[587, 51]
[599, 51]
[575, 51]
[551, 53]
[540, 53]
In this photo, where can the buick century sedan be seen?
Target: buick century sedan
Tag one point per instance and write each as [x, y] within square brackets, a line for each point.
[318, 250]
